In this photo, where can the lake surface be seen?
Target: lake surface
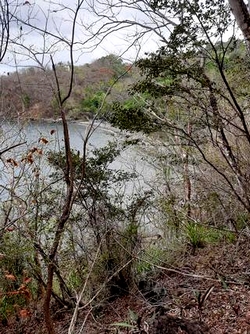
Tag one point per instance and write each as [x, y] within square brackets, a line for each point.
[32, 132]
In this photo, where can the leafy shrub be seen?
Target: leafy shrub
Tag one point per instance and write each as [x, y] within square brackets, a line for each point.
[107, 221]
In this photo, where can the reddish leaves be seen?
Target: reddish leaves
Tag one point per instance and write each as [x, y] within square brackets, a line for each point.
[12, 162]
[22, 290]
[43, 140]
[10, 277]
[24, 313]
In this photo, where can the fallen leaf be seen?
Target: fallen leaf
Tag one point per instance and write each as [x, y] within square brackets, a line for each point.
[10, 229]
[10, 277]
[24, 313]
[27, 280]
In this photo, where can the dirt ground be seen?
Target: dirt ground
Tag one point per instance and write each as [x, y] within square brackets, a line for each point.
[208, 292]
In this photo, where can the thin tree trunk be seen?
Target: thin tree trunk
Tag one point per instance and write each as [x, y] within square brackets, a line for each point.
[241, 14]
[187, 180]
[60, 225]
[47, 316]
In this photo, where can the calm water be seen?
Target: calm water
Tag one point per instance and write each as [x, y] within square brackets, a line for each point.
[99, 137]
[32, 132]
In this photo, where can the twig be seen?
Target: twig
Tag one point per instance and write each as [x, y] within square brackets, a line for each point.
[178, 271]
[79, 297]
[11, 147]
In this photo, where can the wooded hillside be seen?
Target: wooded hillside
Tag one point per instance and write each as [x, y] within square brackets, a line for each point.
[28, 93]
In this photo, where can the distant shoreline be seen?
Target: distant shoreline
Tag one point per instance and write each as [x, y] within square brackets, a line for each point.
[96, 123]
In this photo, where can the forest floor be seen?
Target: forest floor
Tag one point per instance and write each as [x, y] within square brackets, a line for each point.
[209, 292]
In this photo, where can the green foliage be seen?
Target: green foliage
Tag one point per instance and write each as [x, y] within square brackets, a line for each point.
[95, 173]
[26, 100]
[6, 308]
[74, 280]
[130, 323]
[199, 235]
[15, 250]
[153, 255]
[113, 62]
[196, 235]
[16, 254]
[242, 220]
[123, 324]
[92, 102]
[132, 117]
[173, 74]
[54, 105]
[173, 217]
[197, 95]
[109, 218]
[91, 83]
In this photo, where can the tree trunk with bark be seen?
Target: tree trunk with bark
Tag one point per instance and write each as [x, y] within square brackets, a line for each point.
[241, 14]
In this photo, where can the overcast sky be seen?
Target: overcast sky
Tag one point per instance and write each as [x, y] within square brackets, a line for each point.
[97, 32]
[43, 28]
